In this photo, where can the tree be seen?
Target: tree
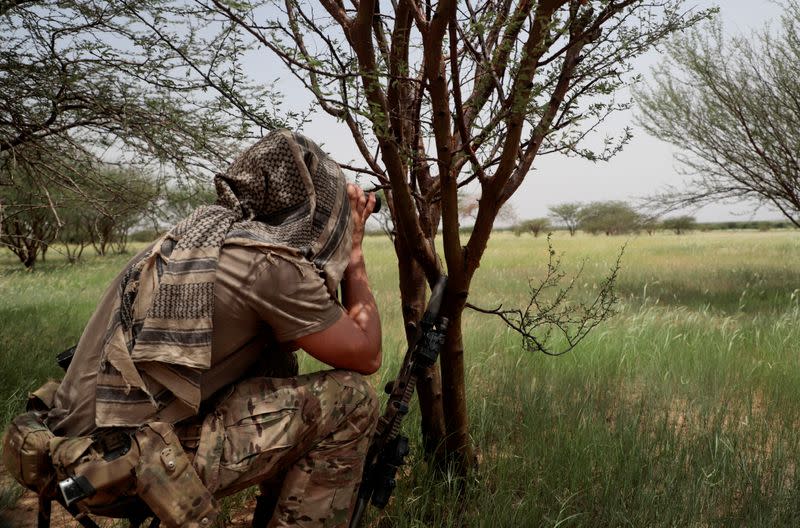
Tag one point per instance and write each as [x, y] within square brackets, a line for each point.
[534, 225]
[611, 218]
[731, 104]
[75, 234]
[568, 214]
[179, 201]
[84, 84]
[131, 204]
[440, 95]
[680, 224]
[34, 219]
[469, 204]
[27, 225]
[649, 223]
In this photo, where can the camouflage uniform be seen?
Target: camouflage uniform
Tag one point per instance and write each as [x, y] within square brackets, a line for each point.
[315, 429]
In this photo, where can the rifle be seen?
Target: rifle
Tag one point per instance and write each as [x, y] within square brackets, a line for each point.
[389, 448]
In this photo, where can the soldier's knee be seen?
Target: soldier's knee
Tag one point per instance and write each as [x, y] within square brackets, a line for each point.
[353, 381]
[370, 396]
[367, 405]
[363, 386]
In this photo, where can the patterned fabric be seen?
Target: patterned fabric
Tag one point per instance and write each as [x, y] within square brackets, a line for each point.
[282, 192]
[167, 482]
[311, 432]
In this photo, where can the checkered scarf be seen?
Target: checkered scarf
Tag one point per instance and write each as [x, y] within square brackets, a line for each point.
[285, 192]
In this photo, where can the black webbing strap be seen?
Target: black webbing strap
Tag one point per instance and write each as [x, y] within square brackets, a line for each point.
[45, 509]
[265, 508]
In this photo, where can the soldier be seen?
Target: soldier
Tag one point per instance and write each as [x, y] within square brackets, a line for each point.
[179, 344]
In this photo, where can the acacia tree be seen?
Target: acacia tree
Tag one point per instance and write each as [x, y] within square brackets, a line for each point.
[680, 224]
[534, 225]
[131, 203]
[568, 214]
[731, 105]
[469, 204]
[438, 95]
[612, 218]
[27, 225]
[33, 218]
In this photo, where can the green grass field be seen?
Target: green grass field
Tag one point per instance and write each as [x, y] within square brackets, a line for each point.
[682, 410]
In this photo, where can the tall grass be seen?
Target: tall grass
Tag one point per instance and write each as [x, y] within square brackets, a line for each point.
[683, 410]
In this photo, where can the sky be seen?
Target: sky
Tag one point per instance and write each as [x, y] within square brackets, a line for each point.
[642, 168]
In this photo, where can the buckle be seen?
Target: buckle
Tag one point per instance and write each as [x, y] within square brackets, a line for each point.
[74, 489]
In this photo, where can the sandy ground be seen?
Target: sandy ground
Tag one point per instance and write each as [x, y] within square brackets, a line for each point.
[23, 515]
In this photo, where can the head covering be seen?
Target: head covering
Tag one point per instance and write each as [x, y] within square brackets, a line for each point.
[282, 192]
[287, 192]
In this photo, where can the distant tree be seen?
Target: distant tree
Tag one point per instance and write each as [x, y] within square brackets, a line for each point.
[469, 204]
[35, 219]
[75, 234]
[680, 224]
[534, 225]
[115, 214]
[568, 214]
[649, 224]
[611, 218]
[27, 225]
[177, 202]
[508, 214]
[731, 104]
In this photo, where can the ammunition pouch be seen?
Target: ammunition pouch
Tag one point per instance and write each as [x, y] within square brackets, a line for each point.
[26, 453]
[95, 471]
[102, 473]
[26, 444]
[167, 481]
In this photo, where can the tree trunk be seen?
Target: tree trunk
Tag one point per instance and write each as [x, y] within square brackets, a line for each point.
[28, 259]
[69, 253]
[121, 242]
[429, 386]
[458, 444]
[429, 390]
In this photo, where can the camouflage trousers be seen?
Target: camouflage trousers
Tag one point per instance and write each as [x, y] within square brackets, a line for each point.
[311, 431]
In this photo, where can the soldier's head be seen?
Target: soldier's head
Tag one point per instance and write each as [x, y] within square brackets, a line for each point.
[287, 190]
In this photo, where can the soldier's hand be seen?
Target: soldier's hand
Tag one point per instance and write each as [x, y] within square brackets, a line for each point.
[361, 206]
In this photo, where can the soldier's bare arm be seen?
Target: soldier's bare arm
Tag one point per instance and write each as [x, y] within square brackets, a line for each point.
[354, 341]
